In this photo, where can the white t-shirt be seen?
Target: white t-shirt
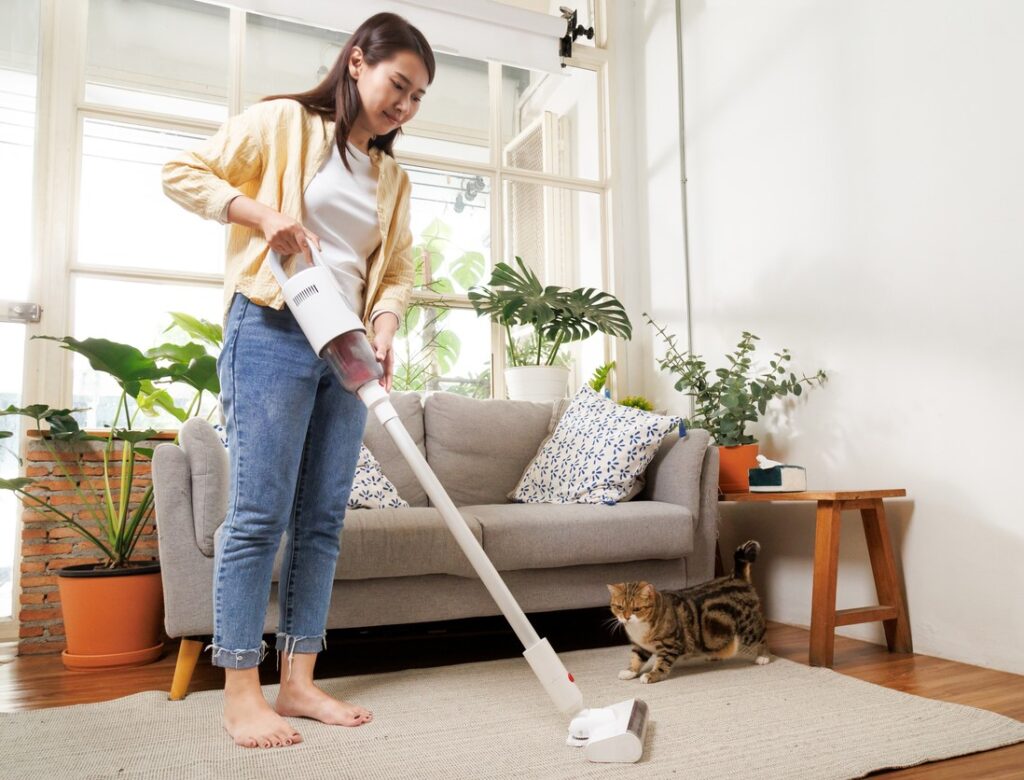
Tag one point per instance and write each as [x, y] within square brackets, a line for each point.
[341, 208]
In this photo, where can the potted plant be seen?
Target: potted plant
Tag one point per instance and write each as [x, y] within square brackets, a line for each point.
[113, 610]
[555, 315]
[723, 406]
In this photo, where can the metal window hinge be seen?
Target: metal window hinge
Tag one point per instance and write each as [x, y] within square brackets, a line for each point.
[20, 311]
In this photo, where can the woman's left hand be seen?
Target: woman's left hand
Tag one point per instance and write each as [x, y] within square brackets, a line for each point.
[384, 328]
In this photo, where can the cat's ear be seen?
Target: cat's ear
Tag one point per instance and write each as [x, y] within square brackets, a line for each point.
[612, 589]
[648, 590]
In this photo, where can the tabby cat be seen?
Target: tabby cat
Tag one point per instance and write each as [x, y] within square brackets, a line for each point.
[719, 619]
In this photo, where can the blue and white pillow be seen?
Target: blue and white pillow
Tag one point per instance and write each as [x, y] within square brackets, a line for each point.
[370, 488]
[596, 454]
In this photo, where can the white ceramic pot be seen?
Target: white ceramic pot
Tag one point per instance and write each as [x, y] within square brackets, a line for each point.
[536, 383]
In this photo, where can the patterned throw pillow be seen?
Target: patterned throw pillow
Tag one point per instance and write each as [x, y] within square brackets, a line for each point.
[370, 488]
[595, 455]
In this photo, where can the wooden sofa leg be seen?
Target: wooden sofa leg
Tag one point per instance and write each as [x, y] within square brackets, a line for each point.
[188, 654]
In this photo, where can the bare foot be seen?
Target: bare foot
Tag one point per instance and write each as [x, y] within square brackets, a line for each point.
[252, 723]
[305, 700]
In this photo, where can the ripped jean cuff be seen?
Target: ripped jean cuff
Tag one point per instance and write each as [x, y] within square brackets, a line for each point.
[290, 645]
[237, 659]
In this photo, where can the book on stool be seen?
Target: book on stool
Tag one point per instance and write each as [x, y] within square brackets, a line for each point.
[774, 477]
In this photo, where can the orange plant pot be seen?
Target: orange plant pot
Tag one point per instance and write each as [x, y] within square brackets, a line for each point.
[734, 464]
[111, 617]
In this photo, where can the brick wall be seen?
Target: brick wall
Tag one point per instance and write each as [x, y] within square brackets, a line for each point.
[47, 545]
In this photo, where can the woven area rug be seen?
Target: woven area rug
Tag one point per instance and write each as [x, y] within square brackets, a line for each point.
[727, 720]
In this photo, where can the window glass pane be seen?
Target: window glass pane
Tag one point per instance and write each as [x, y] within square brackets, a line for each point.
[137, 314]
[124, 217]
[450, 219]
[19, 22]
[557, 232]
[549, 122]
[284, 57]
[453, 120]
[158, 55]
[19, 40]
[443, 349]
[12, 347]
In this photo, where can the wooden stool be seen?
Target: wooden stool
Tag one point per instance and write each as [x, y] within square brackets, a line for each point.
[891, 610]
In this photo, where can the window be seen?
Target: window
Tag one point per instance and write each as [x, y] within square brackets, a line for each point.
[19, 23]
[504, 162]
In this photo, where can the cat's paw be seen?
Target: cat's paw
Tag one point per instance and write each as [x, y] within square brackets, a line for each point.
[761, 660]
[627, 674]
[650, 677]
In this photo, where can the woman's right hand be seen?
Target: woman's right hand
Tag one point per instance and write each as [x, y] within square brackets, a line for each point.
[286, 236]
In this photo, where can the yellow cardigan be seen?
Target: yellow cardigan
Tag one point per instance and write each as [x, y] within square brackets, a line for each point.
[270, 153]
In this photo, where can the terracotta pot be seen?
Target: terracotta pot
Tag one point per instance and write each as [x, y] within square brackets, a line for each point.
[734, 465]
[112, 617]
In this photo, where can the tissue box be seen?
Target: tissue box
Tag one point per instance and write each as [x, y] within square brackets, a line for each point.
[779, 479]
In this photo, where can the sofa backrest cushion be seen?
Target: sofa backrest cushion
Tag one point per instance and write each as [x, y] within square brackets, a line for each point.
[479, 448]
[410, 412]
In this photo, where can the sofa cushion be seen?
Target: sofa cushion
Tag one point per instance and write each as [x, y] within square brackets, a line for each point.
[384, 449]
[396, 543]
[370, 488]
[543, 536]
[597, 452]
[208, 465]
[478, 449]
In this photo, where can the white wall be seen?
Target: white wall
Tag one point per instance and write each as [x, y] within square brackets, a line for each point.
[856, 194]
[856, 184]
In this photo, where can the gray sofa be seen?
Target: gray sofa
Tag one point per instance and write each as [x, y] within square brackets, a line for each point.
[403, 566]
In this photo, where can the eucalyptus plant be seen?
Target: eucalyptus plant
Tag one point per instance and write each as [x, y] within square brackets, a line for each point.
[557, 315]
[724, 405]
[144, 379]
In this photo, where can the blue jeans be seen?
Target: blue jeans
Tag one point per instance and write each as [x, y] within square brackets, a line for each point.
[293, 442]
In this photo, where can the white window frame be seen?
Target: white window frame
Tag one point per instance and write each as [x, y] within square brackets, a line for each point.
[61, 112]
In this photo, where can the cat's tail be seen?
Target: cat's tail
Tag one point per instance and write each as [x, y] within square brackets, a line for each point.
[745, 555]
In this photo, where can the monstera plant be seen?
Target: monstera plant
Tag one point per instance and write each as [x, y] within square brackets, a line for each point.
[515, 297]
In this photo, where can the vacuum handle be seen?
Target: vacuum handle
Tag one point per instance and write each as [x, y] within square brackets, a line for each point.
[277, 264]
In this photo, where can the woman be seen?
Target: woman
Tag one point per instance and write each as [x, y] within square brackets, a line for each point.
[312, 167]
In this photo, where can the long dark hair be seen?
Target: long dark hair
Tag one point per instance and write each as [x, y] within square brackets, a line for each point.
[380, 37]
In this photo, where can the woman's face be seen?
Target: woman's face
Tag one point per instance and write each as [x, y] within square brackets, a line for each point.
[390, 91]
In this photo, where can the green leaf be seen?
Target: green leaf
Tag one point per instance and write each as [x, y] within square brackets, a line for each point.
[448, 347]
[443, 286]
[179, 353]
[151, 397]
[468, 269]
[146, 451]
[198, 329]
[37, 412]
[600, 377]
[133, 437]
[200, 373]
[18, 483]
[6, 434]
[126, 364]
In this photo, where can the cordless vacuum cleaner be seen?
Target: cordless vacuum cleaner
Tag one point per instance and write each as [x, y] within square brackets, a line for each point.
[607, 734]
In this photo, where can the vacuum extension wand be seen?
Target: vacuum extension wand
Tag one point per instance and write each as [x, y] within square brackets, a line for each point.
[337, 335]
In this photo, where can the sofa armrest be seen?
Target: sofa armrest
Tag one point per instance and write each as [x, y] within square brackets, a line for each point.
[701, 562]
[674, 474]
[186, 573]
[685, 472]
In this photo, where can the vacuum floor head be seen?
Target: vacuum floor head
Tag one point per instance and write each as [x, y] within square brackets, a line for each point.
[612, 734]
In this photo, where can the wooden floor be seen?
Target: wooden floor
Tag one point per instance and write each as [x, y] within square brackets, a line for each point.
[35, 682]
